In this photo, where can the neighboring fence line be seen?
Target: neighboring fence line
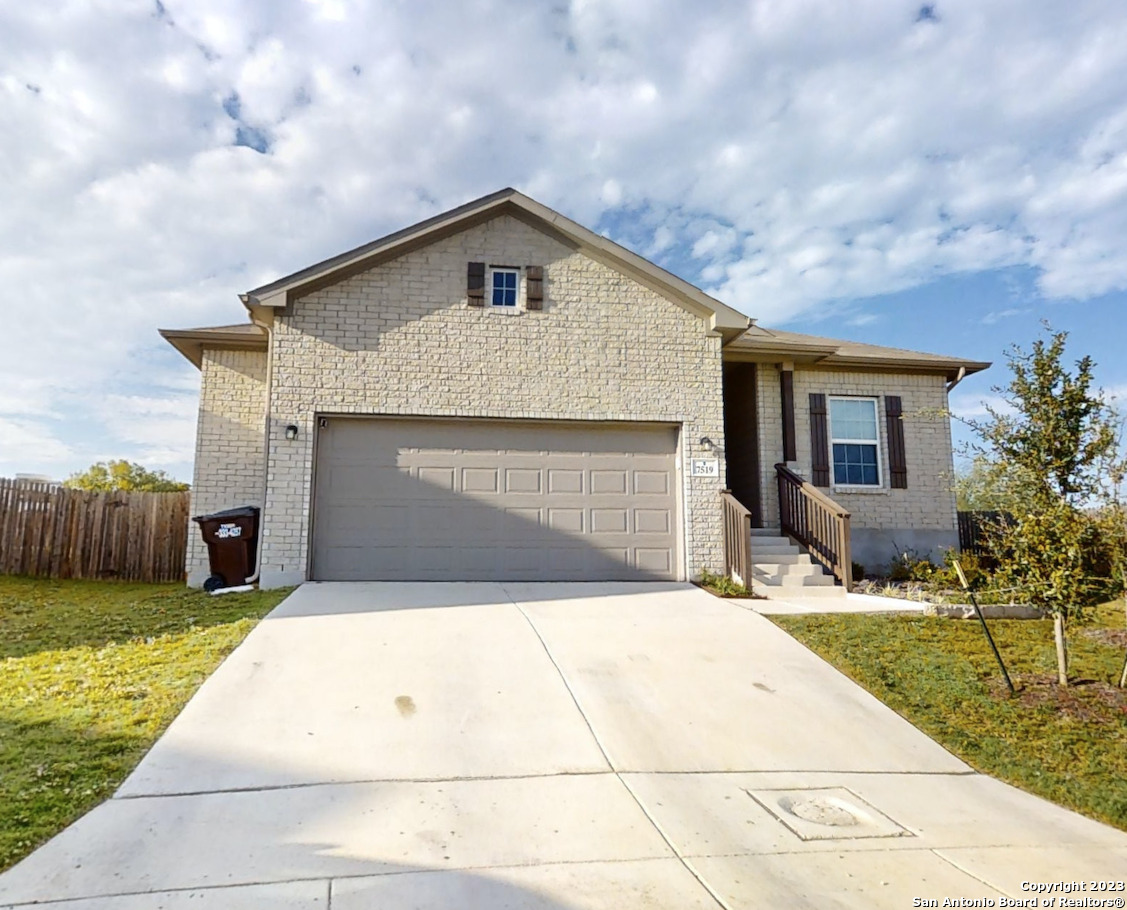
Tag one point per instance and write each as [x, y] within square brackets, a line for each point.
[50, 531]
[975, 528]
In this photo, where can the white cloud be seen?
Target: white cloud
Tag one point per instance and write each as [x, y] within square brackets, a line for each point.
[998, 315]
[28, 446]
[792, 153]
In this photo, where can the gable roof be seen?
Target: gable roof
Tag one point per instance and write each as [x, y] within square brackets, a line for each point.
[722, 318]
[759, 343]
[190, 342]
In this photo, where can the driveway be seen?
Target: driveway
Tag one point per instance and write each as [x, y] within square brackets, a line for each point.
[547, 746]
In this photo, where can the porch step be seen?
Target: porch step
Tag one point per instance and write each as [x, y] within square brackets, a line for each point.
[780, 568]
[789, 570]
[774, 545]
[791, 576]
[779, 592]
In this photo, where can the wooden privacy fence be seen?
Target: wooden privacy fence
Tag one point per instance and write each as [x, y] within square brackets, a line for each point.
[975, 528]
[53, 532]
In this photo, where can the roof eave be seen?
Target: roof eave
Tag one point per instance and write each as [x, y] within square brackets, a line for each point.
[949, 368]
[191, 343]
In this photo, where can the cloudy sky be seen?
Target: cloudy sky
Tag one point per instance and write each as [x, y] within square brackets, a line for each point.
[935, 176]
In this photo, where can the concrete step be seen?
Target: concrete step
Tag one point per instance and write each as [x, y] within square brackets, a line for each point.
[784, 580]
[778, 592]
[794, 569]
[779, 558]
[769, 545]
[766, 532]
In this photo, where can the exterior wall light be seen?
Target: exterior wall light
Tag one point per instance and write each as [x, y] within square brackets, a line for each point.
[706, 443]
[291, 431]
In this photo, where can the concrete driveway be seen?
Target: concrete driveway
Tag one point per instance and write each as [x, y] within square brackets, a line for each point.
[547, 746]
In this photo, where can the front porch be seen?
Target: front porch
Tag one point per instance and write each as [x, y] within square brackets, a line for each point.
[794, 538]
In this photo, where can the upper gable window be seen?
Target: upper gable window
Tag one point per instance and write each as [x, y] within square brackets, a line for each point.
[504, 285]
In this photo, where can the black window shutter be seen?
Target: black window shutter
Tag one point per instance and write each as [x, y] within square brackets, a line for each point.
[819, 441]
[535, 296]
[786, 384]
[894, 424]
[475, 284]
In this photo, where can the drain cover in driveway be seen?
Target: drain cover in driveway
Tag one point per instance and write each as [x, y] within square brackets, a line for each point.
[827, 814]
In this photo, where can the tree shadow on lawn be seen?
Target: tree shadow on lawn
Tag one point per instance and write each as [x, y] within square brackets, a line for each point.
[41, 614]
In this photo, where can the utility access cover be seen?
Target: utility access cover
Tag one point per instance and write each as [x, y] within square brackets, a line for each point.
[832, 813]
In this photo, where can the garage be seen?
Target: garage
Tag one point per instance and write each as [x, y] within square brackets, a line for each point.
[494, 500]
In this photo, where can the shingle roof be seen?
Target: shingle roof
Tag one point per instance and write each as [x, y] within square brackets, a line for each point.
[759, 342]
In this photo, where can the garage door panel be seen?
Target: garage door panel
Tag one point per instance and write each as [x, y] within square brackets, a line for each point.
[480, 480]
[651, 483]
[652, 521]
[523, 480]
[491, 500]
[654, 561]
[567, 521]
[603, 481]
[433, 479]
[564, 482]
[609, 521]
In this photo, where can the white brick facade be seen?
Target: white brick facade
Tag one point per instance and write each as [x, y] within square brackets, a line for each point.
[921, 517]
[230, 442]
[400, 339]
[612, 343]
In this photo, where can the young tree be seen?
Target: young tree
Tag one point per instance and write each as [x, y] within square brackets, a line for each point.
[1052, 444]
[107, 476]
[984, 486]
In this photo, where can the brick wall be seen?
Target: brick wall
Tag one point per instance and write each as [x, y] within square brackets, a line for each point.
[229, 442]
[400, 339]
[921, 516]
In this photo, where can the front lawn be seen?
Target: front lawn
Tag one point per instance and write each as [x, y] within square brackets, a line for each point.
[91, 673]
[1067, 745]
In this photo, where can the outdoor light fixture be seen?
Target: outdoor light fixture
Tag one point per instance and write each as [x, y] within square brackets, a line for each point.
[706, 443]
[291, 431]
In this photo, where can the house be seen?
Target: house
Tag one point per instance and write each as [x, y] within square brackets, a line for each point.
[499, 393]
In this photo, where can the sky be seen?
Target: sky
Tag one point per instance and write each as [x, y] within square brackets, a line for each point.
[939, 176]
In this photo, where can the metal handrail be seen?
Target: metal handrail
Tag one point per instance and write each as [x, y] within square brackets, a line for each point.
[817, 522]
[737, 538]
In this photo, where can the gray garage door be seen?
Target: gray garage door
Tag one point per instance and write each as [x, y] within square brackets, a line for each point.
[494, 500]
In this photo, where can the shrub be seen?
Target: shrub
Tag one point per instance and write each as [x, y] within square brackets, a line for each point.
[910, 566]
[945, 578]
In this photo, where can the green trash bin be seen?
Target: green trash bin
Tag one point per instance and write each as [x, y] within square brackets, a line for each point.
[232, 543]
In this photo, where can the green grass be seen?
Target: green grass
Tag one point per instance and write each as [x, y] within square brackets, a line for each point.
[1069, 746]
[91, 673]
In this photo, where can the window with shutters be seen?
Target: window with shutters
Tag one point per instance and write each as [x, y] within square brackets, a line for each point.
[855, 442]
[504, 287]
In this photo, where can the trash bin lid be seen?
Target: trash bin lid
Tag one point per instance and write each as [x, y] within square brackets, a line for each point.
[240, 512]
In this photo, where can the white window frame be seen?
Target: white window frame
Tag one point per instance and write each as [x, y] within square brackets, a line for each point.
[493, 270]
[864, 442]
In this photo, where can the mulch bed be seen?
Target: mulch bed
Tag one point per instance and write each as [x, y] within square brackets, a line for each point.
[1084, 700]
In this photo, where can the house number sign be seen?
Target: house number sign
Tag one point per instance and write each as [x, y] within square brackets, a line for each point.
[706, 467]
[231, 530]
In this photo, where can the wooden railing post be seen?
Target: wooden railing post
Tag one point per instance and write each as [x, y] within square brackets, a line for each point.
[736, 519]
